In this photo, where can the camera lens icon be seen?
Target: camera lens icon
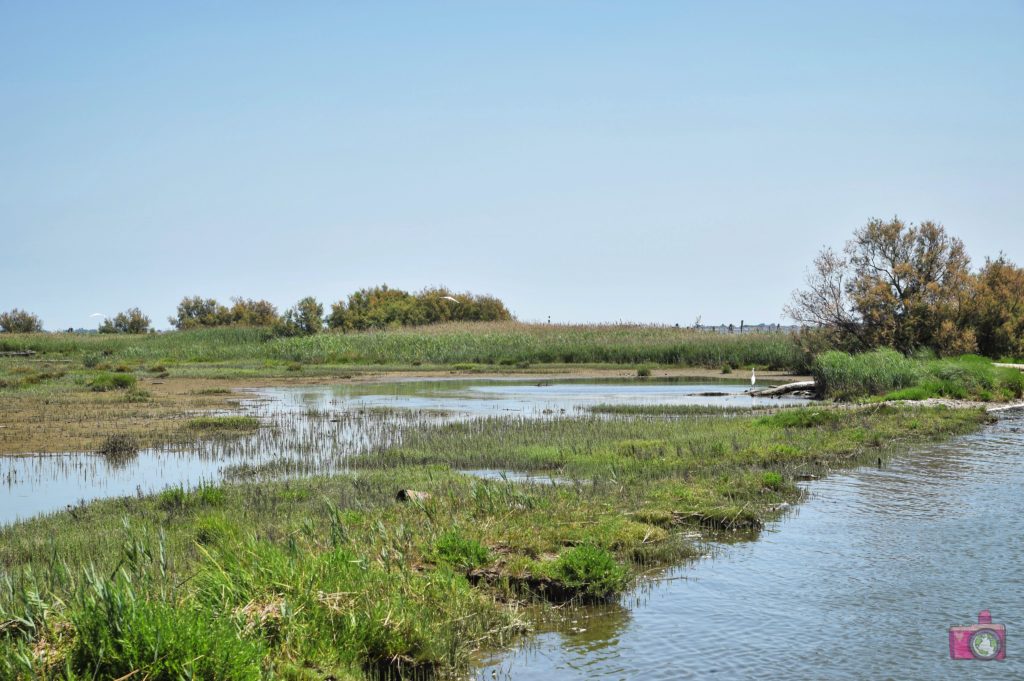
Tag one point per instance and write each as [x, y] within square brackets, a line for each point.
[985, 644]
[981, 641]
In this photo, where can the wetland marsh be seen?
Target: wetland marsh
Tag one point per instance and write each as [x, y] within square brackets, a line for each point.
[294, 560]
[315, 429]
[551, 522]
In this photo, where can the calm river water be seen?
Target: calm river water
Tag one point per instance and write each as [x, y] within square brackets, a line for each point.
[862, 582]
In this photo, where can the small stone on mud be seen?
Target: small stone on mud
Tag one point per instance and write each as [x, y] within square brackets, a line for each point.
[411, 495]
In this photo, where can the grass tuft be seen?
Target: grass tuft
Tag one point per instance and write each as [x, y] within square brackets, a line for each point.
[216, 424]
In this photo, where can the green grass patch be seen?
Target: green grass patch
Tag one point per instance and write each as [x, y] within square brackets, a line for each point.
[218, 424]
[452, 548]
[890, 374]
[106, 381]
[508, 344]
[590, 571]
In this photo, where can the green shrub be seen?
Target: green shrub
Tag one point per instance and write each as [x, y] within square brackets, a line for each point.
[105, 382]
[643, 372]
[135, 395]
[119, 447]
[460, 552]
[772, 480]
[590, 570]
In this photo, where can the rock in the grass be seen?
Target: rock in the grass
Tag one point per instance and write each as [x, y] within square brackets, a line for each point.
[411, 495]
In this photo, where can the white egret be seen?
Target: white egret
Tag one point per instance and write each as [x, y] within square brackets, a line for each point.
[753, 380]
[454, 300]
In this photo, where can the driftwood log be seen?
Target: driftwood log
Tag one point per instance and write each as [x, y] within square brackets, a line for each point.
[785, 389]
[411, 495]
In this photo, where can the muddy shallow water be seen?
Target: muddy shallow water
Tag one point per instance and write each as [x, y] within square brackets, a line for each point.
[311, 430]
[860, 582]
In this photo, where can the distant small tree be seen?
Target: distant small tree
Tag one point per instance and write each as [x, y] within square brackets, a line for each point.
[130, 321]
[20, 321]
[338, 318]
[248, 312]
[304, 319]
[374, 308]
[198, 311]
[383, 307]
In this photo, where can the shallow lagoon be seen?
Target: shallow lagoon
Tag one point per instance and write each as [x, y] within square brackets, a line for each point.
[311, 430]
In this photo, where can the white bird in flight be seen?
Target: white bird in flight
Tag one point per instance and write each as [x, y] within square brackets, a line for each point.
[98, 314]
[454, 300]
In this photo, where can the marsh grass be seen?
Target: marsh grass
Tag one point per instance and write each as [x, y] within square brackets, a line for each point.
[509, 344]
[892, 376]
[669, 409]
[136, 395]
[332, 576]
[116, 381]
[221, 424]
[590, 571]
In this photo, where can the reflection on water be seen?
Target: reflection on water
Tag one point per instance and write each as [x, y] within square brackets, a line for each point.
[517, 476]
[535, 398]
[861, 582]
[311, 430]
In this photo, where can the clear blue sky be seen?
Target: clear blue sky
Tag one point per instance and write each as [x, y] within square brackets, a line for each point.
[591, 161]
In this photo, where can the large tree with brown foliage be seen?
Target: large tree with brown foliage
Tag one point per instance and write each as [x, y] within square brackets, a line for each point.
[997, 308]
[895, 284]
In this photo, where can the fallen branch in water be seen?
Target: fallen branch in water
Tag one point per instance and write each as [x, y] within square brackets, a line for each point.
[786, 389]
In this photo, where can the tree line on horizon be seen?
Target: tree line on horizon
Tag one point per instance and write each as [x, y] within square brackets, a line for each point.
[894, 284]
[379, 307]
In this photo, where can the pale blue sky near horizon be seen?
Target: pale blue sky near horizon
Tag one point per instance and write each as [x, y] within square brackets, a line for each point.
[587, 161]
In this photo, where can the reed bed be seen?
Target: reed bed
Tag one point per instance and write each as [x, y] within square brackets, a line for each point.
[488, 343]
[889, 375]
